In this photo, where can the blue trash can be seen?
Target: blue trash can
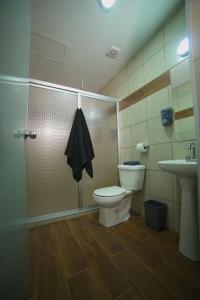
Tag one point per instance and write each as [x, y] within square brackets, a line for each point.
[155, 214]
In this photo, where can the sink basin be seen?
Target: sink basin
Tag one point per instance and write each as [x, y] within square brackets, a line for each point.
[186, 170]
[183, 168]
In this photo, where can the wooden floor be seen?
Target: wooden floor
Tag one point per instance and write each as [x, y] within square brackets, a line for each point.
[80, 259]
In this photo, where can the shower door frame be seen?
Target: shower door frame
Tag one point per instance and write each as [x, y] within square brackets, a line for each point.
[79, 93]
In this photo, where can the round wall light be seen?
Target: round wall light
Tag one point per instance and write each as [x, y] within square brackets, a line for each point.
[106, 4]
[183, 48]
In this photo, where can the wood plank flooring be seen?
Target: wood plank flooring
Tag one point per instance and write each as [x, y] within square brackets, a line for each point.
[79, 259]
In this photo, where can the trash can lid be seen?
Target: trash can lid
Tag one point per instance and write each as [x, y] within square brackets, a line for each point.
[154, 203]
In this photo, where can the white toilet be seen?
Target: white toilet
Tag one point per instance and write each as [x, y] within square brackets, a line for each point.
[115, 202]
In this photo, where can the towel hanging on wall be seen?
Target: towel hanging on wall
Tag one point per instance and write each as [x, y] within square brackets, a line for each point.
[79, 150]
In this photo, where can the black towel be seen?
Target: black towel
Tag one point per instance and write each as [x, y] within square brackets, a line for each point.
[79, 148]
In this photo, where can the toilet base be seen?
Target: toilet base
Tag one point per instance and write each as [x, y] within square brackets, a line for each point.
[112, 216]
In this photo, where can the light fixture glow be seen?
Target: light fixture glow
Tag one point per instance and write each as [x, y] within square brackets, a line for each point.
[107, 4]
[183, 48]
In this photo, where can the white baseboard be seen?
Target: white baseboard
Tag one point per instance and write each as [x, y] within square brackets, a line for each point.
[61, 214]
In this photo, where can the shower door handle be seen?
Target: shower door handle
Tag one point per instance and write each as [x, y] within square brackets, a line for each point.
[30, 134]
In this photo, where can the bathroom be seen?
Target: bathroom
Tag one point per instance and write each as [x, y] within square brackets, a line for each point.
[133, 69]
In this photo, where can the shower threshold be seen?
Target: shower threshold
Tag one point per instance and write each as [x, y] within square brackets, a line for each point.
[61, 214]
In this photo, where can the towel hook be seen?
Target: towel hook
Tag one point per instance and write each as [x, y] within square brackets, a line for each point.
[79, 100]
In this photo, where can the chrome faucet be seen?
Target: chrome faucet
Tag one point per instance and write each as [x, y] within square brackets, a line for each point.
[191, 146]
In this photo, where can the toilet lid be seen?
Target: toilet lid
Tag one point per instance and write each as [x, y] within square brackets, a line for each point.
[110, 191]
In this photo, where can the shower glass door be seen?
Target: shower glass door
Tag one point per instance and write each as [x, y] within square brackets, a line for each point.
[14, 70]
[101, 118]
[51, 187]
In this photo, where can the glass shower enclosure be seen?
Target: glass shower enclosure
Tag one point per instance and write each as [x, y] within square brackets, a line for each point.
[52, 191]
[14, 72]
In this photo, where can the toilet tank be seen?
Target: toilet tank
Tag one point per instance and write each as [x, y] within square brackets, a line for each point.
[131, 177]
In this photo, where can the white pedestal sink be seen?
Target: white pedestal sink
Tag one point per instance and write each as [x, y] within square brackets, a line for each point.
[187, 173]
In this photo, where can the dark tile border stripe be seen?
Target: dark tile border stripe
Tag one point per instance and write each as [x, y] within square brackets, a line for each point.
[185, 113]
[150, 88]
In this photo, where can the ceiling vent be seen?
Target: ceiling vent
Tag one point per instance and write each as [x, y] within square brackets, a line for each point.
[47, 48]
[113, 52]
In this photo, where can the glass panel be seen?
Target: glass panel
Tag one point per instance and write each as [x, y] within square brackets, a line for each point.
[14, 66]
[101, 118]
[51, 187]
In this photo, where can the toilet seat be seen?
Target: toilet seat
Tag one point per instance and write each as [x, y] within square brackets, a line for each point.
[109, 196]
[110, 191]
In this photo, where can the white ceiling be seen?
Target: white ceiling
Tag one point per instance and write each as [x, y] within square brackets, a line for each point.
[70, 38]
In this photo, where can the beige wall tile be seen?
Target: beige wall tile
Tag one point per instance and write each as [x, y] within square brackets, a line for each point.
[155, 66]
[184, 129]
[188, 128]
[185, 101]
[135, 155]
[138, 112]
[104, 90]
[174, 99]
[136, 80]
[143, 158]
[111, 85]
[124, 118]
[156, 102]
[135, 63]
[194, 7]
[113, 94]
[153, 46]
[175, 25]
[125, 137]
[161, 185]
[122, 75]
[176, 131]
[182, 97]
[158, 133]
[170, 95]
[179, 150]
[146, 183]
[125, 154]
[138, 202]
[171, 55]
[197, 81]
[122, 90]
[141, 196]
[159, 152]
[139, 134]
[185, 89]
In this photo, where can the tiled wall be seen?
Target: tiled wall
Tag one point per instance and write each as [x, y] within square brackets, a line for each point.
[154, 59]
[194, 17]
[141, 121]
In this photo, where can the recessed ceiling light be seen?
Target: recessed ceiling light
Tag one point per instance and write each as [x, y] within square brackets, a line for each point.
[183, 48]
[107, 4]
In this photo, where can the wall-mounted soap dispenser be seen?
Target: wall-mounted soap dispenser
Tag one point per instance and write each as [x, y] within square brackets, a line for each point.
[167, 116]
